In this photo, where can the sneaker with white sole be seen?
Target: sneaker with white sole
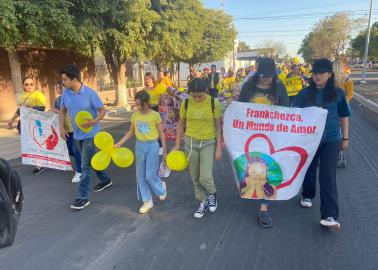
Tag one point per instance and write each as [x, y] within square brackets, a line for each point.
[76, 178]
[146, 207]
[101, 186]
[79, 204]
[163, 197]
[306, 202]
[212, 200]
[330, 222]
[203, 207]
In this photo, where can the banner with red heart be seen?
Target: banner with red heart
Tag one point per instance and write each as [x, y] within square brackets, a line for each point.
[41, 144]
[271, 147]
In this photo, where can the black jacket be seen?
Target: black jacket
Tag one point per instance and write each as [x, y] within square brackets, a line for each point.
[216, 79]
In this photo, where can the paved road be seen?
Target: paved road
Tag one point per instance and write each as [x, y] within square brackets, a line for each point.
[110, 234]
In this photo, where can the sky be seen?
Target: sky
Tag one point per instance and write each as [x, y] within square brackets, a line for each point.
[257, 21]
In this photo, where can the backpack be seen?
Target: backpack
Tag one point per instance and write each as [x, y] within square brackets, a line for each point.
[212, 105]
[11, 198]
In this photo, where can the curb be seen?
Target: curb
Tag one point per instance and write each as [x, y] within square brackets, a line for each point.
[367, 103]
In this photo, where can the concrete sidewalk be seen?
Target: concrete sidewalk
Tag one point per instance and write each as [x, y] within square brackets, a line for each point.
[367, 95]
[10, 144]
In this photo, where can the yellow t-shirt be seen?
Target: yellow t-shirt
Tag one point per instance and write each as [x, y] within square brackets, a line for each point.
[31, 99]
[293, 85]
[200, 124]
[145, 125]
[167, 81]
[154, 97]
[349, 89]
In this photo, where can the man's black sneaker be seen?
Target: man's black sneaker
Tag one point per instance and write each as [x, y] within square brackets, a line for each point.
[101, 186]
[79, 204]
[212, 199]
[203, 207]
[38, 170]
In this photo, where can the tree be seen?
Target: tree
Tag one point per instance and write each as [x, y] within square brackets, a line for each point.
[119, 29]
[176, 33]
[217, 38]
[243, 46]
[306, 49]
[272, 48]
[330, 37]
[358, 43]
[36, 24]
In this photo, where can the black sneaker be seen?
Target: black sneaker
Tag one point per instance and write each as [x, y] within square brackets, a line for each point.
[203, 207]
[212, 200]
[79, 204]
[101, 186]
[38, 170]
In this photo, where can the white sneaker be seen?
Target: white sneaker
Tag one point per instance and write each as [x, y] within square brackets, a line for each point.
[306, 202]
[330, 222]
[76, 178]
[163, 197]
[160, 151]
[146, 207]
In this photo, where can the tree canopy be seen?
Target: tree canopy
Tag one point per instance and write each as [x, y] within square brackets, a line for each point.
[358, 43]
[330, 37]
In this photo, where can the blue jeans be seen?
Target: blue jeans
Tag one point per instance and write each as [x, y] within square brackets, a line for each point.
[87, 149]
[147, 166]
[73, 151]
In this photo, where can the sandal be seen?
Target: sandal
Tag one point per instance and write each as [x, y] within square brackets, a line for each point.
[265, 219]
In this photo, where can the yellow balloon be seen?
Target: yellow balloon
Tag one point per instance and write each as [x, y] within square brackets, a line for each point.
[181, 89]
[296, 60]
[101, 160]
[103, 140]
[122, 157]
[177, 161]
[160, 88]
[81, 118]
[219, 87]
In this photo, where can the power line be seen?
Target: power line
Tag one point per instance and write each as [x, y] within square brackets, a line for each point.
[302, 15]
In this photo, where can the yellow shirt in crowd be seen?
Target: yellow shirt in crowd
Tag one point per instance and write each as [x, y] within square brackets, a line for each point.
[167, 81]
[154, 97]
[200, 124]
[145, 125]
[31, 99]
[349, 88]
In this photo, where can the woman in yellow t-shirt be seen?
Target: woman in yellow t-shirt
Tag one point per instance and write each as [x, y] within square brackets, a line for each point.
[147, 127]
[31, 98]
[342, 79]
[202, 116]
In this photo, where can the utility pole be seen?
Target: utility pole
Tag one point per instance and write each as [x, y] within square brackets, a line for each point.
[222, 4]
[363, 79]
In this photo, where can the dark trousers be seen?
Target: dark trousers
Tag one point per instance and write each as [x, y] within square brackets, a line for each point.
[328, 154]
[213, 92]
[156, 109]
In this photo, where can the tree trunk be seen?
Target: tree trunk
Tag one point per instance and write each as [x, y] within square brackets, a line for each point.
[121, 97]
[178, 74]
[141, 73]
[15, 68]
[129, 69]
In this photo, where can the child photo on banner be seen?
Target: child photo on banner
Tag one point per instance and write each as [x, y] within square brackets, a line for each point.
[41, 144]
[271, 147]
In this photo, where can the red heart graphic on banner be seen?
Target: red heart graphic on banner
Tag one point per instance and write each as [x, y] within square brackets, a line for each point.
[299, 150]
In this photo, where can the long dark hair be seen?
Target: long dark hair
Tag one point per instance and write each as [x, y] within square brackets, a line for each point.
[250, 87]
[330, 93]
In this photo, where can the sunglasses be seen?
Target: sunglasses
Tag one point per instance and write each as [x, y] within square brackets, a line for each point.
[29, 84]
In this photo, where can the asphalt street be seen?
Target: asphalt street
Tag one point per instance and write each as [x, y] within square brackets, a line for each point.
[110, 234]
